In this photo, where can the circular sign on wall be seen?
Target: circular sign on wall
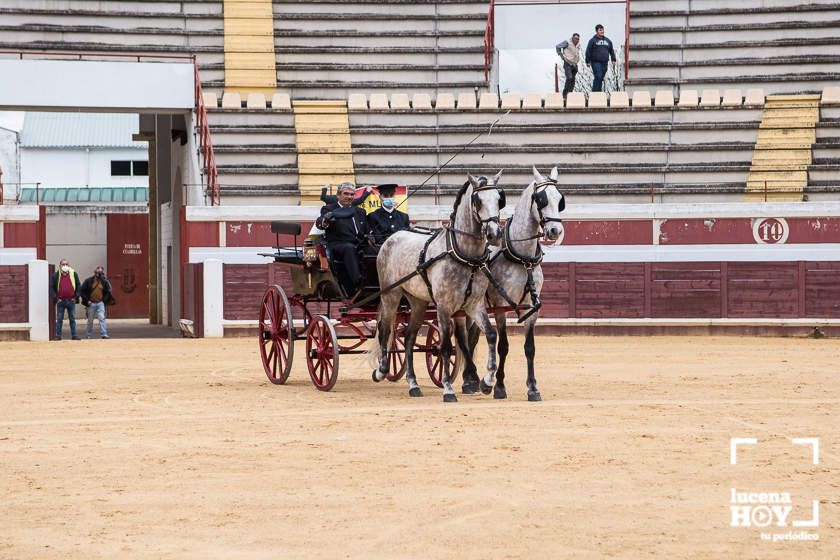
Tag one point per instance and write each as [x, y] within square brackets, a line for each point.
[770, 230]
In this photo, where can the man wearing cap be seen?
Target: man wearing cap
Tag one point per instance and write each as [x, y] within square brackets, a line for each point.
[345, 228]
[386, 220]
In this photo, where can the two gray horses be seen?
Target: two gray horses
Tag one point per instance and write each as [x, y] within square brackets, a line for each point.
[460, 271]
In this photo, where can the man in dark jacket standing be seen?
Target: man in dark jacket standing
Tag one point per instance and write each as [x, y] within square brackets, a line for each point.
[345, 228]
[64, 289]
[96, 294]
[387, 219]
[599, 52]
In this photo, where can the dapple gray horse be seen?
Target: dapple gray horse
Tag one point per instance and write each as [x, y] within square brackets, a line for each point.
[537, 214]
[454, 281]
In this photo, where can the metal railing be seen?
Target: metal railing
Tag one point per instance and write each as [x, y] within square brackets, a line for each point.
[489, 33]
[627, 39]
[205, 143]
[211, 172]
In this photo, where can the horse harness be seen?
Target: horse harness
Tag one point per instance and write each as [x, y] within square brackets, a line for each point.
[452, 250]
[540, 199]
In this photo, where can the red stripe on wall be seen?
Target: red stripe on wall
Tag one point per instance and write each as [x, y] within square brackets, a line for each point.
[203, 234]
[258, 234]
[608, 232]
[20, 235]
[711, 231]
[814, 230]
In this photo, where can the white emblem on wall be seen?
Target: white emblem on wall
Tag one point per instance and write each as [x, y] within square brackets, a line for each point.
[770, 230]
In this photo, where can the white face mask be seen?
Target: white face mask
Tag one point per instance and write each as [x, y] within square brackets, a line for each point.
[65, 268]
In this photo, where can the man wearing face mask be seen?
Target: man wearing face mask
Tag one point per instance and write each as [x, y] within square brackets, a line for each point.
[64, 289]
[96, 294]
[386, 220]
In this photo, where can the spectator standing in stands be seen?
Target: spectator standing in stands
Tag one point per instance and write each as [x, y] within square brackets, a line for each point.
[569, 51]
[599, 52]
[64, 289]
[96, 294]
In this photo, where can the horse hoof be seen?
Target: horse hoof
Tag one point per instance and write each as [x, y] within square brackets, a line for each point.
[373, 376]
[485, 388]
[469, 388]
[450, 397]
[499, 392]
[534, 396]
[415, 392]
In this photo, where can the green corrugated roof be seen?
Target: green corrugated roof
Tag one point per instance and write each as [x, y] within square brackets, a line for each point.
[87, 195]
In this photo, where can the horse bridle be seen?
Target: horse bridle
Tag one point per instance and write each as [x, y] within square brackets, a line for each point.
[483, 185]
[540, 198]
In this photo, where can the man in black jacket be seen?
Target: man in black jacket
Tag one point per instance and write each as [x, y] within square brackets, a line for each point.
[599, 52]
[387, 219]
[345, 228]
[96, 294]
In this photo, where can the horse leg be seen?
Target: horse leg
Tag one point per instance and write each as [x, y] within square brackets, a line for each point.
[387, 312]
[479, 315]
[418, 312]
[445, 325]
[462, 335]
[530, 350]
[499, 389]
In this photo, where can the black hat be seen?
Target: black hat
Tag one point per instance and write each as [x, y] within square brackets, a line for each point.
[386, 190]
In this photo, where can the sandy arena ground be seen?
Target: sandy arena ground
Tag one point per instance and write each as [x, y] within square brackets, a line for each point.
[182, 449]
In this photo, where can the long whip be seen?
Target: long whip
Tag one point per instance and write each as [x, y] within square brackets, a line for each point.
[461, 151]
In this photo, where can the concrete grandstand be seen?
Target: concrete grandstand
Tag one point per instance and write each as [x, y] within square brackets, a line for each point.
[723, 106]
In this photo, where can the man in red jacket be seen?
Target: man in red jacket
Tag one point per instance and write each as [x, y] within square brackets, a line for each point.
[64, 288]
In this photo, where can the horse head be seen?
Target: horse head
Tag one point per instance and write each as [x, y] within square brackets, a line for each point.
[487, 201]
[547, 203]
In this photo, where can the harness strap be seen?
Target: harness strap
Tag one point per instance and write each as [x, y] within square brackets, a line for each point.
[423, 265]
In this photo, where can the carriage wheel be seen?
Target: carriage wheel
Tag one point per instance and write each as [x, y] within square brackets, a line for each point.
[434, 359]
[277, 335]
[322, 353]
[396, 360]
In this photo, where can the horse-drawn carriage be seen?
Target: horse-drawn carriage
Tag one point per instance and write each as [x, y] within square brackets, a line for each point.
[345, 321]
[411, 315]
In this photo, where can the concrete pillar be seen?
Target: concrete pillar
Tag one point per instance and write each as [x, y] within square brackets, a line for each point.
[39, 300]
[213, 299]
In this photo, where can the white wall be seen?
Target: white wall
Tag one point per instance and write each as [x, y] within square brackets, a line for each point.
[79, 237]
[9, 162]
[57, 84]
[80, 167]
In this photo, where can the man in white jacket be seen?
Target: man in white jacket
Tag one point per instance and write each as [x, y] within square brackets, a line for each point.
[569, 51]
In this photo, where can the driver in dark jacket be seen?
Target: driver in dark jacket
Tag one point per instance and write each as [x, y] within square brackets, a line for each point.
[386, 220]
[345, 228]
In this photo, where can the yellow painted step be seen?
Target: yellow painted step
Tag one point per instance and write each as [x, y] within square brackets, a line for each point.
[248, 61]
[247, 10]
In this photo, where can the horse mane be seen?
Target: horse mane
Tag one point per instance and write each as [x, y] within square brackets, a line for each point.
[461, 192]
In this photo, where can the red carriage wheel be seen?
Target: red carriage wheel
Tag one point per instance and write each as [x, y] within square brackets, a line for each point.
[322, 353]
[277, 335]
[434, 359]
[396, 356]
